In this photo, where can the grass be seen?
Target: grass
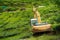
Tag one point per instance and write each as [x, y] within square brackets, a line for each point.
[39, 37]
[45, 37]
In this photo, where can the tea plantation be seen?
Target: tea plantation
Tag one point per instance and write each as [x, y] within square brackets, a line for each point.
[15, 16]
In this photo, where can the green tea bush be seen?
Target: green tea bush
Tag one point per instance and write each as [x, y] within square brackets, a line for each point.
[15, 24]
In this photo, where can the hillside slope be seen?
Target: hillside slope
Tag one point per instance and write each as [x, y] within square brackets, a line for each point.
[15, 22]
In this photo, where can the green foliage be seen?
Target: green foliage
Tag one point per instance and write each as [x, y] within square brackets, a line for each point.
[15, 24]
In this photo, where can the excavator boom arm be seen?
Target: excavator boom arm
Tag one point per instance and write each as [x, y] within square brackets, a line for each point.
[36, 14]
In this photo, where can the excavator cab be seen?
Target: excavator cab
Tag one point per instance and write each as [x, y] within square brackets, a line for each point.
[37, 25]
[33, 22]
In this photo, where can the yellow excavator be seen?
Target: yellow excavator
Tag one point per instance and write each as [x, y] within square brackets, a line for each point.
[37, 24]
